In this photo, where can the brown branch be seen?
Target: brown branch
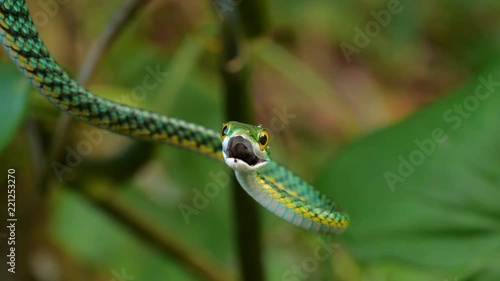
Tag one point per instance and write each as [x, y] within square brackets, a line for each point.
[115, 26]
[117, 23]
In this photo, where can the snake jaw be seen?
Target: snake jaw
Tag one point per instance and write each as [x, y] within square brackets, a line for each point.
[241, 155]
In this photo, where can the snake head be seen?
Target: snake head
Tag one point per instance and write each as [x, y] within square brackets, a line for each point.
[244, 147]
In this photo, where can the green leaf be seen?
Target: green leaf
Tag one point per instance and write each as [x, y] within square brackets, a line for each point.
[426, 191]
[14, 89]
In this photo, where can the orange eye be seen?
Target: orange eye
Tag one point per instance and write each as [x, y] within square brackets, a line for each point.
[224, 131]
[263, 139]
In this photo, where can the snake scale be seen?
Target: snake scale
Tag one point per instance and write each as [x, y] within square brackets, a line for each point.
[242, 147]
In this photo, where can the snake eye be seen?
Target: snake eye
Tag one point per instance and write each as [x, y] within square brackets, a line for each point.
[263, 139]
[224, 131]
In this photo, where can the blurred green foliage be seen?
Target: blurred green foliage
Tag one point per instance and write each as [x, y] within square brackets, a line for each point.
[440, 223]
[12, 102]
[425, 191]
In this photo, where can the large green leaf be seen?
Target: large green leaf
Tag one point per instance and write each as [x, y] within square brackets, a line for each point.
[436, 206]
[13, 96]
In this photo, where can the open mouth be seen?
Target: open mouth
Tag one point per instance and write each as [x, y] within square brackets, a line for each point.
[240, 148]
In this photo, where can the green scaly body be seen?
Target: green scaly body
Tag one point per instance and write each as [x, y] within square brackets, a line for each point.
[287, 192]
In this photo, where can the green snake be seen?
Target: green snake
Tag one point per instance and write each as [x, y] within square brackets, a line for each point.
[242, 147]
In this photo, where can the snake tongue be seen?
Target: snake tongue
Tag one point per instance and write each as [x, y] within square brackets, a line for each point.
[240, 148]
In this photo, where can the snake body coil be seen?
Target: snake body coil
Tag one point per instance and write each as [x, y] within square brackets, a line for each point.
[272, 185]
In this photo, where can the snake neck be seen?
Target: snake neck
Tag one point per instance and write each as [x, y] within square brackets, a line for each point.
[288, 205]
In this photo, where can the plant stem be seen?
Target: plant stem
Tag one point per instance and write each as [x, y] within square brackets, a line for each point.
[238, 107]
[254, 17]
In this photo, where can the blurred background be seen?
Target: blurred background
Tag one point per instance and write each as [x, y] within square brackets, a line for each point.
[388, 107]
